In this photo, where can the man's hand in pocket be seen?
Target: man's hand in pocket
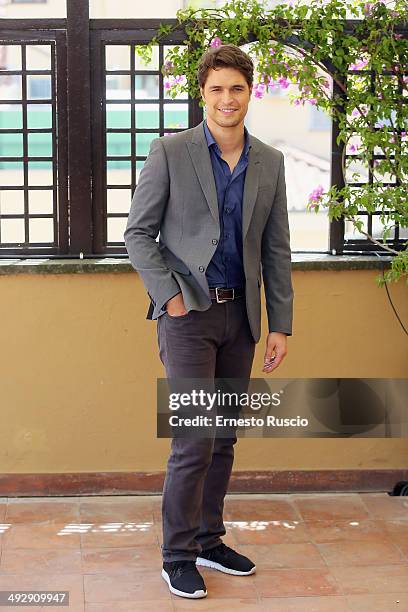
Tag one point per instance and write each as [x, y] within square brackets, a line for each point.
[175, 306]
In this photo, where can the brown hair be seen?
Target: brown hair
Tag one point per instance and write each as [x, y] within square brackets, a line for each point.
[225, 56]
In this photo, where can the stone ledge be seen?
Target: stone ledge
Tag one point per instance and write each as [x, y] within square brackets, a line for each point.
[300, 261]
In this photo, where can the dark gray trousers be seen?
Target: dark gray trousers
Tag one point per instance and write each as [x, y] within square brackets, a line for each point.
[216, 343]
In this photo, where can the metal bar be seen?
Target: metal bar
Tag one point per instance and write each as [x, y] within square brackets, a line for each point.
[99, 139]
[25, 141]
[336, 230]
[132, 117]
[79, 122]
[33, 24]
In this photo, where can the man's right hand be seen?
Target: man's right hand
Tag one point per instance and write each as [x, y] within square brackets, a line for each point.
[175, 306]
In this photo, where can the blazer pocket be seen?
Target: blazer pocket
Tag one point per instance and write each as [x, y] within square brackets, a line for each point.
[179, 267]
[173, 262]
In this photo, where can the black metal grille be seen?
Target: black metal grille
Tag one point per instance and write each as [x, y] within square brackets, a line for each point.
[32, 198]
[131, 107]
[106, 103]
[369, 175]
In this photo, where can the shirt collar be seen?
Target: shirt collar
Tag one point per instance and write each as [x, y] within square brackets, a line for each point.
[211, 140]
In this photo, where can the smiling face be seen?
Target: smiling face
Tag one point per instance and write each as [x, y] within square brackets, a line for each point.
[227, 95]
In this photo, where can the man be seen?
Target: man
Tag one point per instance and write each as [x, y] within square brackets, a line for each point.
[217, 196]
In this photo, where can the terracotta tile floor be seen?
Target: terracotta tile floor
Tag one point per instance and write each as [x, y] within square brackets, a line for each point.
[314, 553]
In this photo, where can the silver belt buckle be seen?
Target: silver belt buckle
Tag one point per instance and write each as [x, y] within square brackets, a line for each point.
[219, 301]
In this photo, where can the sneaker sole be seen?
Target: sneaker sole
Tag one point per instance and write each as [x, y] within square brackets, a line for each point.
[195, 595]
[221, 568]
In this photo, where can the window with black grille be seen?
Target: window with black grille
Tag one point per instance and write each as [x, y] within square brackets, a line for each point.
[359, 174]
[28, 151]
[136, 108]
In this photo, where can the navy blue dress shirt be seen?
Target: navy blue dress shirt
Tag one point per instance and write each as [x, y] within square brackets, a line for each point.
[226, 268]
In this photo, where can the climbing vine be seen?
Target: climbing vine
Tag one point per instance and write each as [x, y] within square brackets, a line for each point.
[358, 75]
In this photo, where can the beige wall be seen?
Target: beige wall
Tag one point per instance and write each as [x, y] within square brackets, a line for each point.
[79, 365]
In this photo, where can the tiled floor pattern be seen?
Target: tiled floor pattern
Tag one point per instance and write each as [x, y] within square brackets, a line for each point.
[314, 553]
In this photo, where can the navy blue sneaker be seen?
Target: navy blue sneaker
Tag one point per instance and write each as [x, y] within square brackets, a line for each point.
[184, 579]
[225, 559]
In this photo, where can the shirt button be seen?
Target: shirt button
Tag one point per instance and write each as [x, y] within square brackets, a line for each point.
[201, 268]
[214, 241]
[226, 236]
[228, 210]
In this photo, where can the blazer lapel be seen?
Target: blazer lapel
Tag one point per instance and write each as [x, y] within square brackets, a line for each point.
[201, 159]
[250, 186]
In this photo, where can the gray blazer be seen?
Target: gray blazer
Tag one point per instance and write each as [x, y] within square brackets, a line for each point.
[176, 198]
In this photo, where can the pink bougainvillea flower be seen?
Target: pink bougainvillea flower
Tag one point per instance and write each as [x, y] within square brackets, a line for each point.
[316, 194]
[353, 148]
[168, 66]
[283, 82]
[259, 90]
[312, 101]
[217, 42]
[359, 65]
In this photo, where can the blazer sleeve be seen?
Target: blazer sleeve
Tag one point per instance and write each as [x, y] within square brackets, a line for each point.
[276, 261]
[143, 225]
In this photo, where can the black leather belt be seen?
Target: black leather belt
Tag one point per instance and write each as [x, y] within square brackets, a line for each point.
[223, 294]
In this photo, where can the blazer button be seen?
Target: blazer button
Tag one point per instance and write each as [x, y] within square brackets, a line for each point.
[214, 241]
[201, 268]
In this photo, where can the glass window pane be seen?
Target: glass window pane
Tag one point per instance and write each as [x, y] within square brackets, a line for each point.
[147, 115]
[378, 228]
[38, 87]
[38, 57]
[40, 173]
[12, 230]
[351, 232]
[11, 116]
[12, 202]
[11, 145]
[118, 172]
[308, 230]
[118, 116]
[11, 173]
[139, 166]
[119, 200]
[143, 142]
[175, 115]
[41, 230]
[117, 87]
[152, 65]
[40, 201]
[117, 57]
[40, 145]
[11, 57]
[39, 116]
[146, 86]
[356, 171]
[403, 232]
[34, 9]
[116, 227]
[10, 87]
[380, 175]
[118, 144]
